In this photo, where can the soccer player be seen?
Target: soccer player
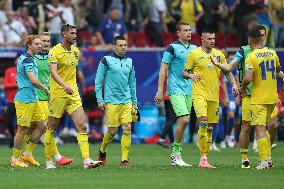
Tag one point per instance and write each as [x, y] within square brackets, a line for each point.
[200, 69]
[28, 110]
[262, 64]
[64, 96]
[239, 60]
[117, 76]
[178, 88]
[41, 60]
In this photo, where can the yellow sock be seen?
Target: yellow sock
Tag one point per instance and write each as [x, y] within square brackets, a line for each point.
[84, 144]
[25, 141]
[202, 138]
[16, 153]
[106, 140]
[49, 133]
[262, 148]
[209, 139]
[244, 153]
[267, 135]
[54, 149]
[30, 147]
[125, 145]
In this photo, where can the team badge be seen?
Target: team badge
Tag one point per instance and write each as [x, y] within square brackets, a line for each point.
[50, 57]
[76, 55]
[218, 58]
[51, 111]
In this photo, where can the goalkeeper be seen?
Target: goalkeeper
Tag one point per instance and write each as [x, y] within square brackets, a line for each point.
[116, 76]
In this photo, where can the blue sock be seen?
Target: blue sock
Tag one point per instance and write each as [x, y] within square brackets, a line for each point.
[214, 133]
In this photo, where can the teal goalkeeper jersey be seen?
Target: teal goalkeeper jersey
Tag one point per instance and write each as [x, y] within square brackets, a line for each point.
[41, 60]
[115, 81]
[175, 56]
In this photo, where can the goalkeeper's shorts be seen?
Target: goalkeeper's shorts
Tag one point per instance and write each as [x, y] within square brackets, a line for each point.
[181, 104]
[118, 114]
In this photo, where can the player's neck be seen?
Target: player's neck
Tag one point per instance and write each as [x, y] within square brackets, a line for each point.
[256, 47]
[184, 42]
[66, 45]
[43, 51]
[32, 53]
[206, 49]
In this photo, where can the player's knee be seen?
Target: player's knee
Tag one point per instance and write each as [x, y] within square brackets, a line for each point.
[30, 130]
[126, 127]
[184, 120]
[231, 115]
[203, 119]
[112, 131]
[82, 127]
[22, 130]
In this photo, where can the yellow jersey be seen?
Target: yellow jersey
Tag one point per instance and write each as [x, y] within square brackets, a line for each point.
[263, 62]
[66, 61]
[199, 62]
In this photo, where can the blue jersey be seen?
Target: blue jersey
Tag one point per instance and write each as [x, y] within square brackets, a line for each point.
[118, 77]
[26, 93]
[175, 55]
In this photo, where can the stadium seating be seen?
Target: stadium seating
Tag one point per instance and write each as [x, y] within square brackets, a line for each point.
[195, 39]
[141, 39]
[232, 40]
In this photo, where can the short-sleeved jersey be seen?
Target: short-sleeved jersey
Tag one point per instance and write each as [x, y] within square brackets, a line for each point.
[27, 93]
[263, 62]
[199, 62]
[41, 60]
[175, 55]
[66, 61]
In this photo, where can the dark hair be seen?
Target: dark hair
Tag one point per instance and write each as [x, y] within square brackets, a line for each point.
[260, 27]
[67, 27]
[119, 37]
[179, 24]
[207, 30]
[254, 33]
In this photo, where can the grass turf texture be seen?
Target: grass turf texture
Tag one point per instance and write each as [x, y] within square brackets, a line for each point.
[152, 170]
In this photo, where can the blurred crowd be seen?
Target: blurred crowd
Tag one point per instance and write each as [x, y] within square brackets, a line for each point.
[146, 23]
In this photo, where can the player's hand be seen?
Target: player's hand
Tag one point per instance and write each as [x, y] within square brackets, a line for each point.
[47, 92]
[135, 106]
[159, 97]
[101, 105]
[195, 77]
[214, 60]
[68, 89]
[235, 90]
[225, 102]
[243, 92]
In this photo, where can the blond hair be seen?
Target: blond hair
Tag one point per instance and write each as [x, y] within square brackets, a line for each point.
[44, 34]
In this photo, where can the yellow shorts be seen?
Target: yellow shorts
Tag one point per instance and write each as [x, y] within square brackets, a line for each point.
[261, 113]
[246, 108]
[44, 105]
[28, 112]
[59, 105]
[206, 108]
[275, 112]
[118, 114]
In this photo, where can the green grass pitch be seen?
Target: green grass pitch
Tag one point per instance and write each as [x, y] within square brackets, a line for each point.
[152, 170]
